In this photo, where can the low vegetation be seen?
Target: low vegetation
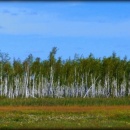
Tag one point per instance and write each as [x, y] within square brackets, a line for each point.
[64, 101]
[64, 117]
[64, 113]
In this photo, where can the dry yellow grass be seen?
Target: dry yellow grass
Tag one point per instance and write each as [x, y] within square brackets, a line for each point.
[64, 108]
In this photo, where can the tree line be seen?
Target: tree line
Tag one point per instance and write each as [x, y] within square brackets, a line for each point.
[77, 77]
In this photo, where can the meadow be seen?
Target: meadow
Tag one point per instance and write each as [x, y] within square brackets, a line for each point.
[64, 113]
[64, 101]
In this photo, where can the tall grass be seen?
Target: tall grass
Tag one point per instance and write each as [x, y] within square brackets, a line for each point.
[64, 101]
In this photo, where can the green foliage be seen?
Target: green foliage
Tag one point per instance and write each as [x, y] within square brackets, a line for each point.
[64, 101]
[70, 72]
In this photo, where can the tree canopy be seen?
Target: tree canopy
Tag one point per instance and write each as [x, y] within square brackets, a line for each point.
[112, 73]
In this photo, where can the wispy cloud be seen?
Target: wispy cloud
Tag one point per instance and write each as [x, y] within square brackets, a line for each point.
[74, 3]
[1, 27]
[17, 11]
[6, 11]
[29, 22]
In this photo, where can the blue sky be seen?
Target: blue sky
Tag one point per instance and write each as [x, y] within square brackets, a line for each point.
[73, 27]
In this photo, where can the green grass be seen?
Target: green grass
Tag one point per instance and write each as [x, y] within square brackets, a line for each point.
[40, 119]
[64, 101]
[34, 118]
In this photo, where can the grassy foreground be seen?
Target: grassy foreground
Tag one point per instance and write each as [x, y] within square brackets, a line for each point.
[64, 101]
[64, 117]
[70, 113]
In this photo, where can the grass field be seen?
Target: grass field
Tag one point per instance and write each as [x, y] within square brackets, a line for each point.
[64, 101]
[64, 116]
